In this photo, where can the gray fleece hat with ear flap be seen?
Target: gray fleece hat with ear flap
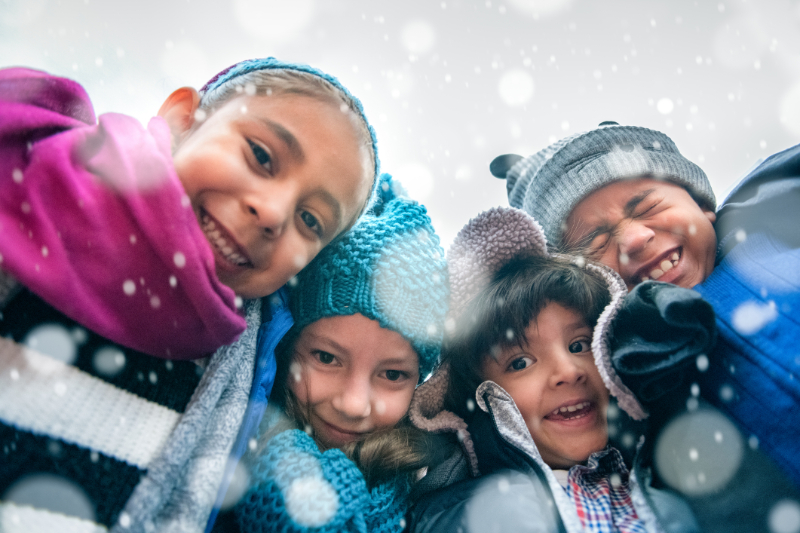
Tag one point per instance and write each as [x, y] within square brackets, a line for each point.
[480, 250]
[550, 183]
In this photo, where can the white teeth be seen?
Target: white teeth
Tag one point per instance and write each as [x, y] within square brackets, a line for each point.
[664, 266]
[571, 408]
[222, 244]
[645, 278]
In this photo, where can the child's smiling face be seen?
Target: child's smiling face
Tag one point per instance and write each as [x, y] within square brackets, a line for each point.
[556, 386]
[646, 229]
[272, 180]
[352, 377]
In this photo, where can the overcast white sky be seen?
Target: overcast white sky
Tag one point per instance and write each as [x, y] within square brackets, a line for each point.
[450, 84]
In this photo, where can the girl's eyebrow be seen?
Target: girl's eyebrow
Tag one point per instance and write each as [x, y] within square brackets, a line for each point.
[287, 137]
[330, 342]
[398, 361]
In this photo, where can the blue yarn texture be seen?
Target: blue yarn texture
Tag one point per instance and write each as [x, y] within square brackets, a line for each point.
[389, 268]
[295, 488]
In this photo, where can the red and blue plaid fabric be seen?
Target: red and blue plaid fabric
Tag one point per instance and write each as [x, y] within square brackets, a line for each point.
[602, 494]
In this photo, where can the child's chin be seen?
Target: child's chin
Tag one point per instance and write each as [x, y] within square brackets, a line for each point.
[245, 290]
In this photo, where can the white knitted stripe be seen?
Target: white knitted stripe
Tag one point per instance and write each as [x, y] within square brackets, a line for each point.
[48, 397]
[25, 519]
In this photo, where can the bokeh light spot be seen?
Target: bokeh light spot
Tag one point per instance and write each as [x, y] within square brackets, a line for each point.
[784, 517]
[108, 361]
[516, 87]
[751, 317]
[273, 20]
[418, 36]
[54, 493]
[698, 452]
[53, 340]
[665, 106]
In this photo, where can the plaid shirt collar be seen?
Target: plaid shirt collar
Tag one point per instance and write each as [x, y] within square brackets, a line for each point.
[601, 493]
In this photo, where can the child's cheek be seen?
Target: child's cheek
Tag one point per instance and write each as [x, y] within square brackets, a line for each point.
[297, 381]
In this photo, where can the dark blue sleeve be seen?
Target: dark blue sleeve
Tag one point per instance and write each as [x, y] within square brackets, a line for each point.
[766, 201]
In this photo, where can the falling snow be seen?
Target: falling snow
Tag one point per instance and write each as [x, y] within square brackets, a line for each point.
[447, 89]
[698, 452]
[750, 317]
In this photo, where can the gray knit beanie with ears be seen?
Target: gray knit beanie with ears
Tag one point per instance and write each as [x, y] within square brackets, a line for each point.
[482, 247]
[550, 183]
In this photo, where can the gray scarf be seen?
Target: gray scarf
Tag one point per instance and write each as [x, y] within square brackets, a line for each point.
[181, 484]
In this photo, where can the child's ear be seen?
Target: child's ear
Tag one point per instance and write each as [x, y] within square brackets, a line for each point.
[710, 215]
[178, 110]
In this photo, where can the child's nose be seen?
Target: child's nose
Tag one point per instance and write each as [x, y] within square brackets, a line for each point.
[272, 211]
[354, 399]
[633, 237]
[568, 370]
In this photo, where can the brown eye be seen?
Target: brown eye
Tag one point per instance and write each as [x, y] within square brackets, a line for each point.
[520, 363]
[261, 155]
[579, 346]
[393, 375]
[311, 221]
[325, 358]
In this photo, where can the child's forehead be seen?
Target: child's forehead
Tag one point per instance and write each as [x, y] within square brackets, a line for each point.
[626, 192]
[259, 104]
[555, 319]
[636, 183]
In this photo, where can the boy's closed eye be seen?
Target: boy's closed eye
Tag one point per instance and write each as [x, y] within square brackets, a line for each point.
[598, 245]
[645, 210]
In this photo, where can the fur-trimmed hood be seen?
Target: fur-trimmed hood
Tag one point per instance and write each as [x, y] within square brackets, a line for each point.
[482, 247]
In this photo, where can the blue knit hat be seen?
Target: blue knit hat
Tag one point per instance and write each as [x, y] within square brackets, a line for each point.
[389, 267]
[270, 63]
[550, 183]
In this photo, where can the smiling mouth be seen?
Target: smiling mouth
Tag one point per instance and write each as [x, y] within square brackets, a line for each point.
[222, 242]
[342, 434]
[570, 412]
[663, 267]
